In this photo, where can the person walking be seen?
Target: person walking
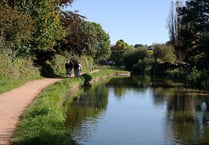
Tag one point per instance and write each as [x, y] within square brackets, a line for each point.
[75, 66]
[67, 68]
[70, 67]
[77, 69]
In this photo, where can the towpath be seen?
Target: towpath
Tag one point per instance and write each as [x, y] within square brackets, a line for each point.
[14, 102]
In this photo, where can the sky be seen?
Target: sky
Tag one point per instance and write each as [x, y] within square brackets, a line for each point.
[134, 21]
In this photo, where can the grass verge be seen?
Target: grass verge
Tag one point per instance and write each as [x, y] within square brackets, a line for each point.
[7, 84]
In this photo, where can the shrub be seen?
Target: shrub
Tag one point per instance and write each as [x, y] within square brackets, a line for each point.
[178, 74]
[16, 71]
[136, 60]
[194, 77]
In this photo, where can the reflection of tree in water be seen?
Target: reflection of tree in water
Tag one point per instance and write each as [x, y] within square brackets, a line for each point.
[119, 91]
[185, 118]
[180, 102]
[87, 107]
[160, 95]
[120, 85]
[142, 81]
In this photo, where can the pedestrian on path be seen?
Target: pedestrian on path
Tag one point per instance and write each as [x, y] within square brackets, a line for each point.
[67, 68]
[77, 69]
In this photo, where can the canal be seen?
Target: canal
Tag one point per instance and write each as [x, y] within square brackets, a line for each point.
[139, 111]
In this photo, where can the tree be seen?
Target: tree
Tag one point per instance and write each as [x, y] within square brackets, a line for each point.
[83, 37]
[164, 53]
[121, 45]
[15, 30]
[135, 59]
[47, 27]
[175, 29]
[118, 50]
[100, 47]
[195, 16]
[75, 41]
[171, 24]
[203, 58]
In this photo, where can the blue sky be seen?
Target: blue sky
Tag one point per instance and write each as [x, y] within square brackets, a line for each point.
[134, 21]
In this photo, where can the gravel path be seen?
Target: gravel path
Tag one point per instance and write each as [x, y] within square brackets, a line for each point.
[14, 102]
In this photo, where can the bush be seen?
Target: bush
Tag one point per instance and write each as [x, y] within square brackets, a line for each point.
[136, 60]
[164, 53]
[178, 74]
[194, 76]
[16, 71]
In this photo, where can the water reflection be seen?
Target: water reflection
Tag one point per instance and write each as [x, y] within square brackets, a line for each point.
[87, 108]
[187, 118]
[120, 85]
[150, 114]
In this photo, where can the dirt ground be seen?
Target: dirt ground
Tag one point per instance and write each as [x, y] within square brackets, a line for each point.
[14, 102]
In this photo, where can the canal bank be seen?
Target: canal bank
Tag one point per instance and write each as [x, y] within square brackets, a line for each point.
[43, 122]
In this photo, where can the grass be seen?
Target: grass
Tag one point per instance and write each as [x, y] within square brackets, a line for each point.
[8, 84]
[43, 122]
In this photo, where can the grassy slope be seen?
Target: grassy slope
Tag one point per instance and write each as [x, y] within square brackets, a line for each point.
[7, 85]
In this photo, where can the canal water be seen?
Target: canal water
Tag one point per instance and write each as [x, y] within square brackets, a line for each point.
[139, 111]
